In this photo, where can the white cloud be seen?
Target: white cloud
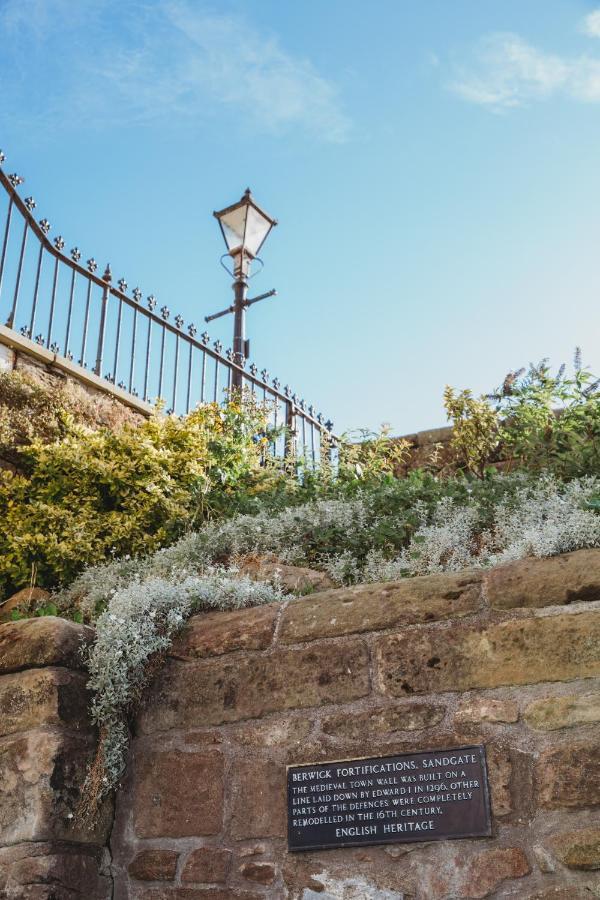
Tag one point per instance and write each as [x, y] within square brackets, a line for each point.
[591, 24]
[506, 72]
[174, 58]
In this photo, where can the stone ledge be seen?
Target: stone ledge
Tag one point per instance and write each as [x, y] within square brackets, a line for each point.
[20, 344]
[43, 641]
[465, 657]
[553, 581]
[53, 871]
[375, 607]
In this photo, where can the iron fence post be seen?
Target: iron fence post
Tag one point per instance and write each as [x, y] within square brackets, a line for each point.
[107, 278]
[290, 430]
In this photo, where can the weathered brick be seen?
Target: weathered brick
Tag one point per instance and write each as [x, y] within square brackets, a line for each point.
[217, 633]
[41, 774]
[578, 849]
[154, 865]
[43, 641]
[520, 651]
[52, 696]
[259, 799]
[569, 776]
[566, 711]
[221, 690]
[489, 869]
[208, 865]
[383, 720]
[178, 794]
[569, 578]
[373, 607]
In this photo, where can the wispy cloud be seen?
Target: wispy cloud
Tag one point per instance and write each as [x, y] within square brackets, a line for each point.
[506, 71]
[177, 60]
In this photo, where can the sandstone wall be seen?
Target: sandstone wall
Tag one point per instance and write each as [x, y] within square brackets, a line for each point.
[46, 741]
[510, 660]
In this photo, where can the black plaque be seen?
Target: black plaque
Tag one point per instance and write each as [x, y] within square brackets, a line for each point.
[432, 795]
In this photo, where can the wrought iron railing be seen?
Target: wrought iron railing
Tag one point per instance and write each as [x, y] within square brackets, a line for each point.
[54, 300]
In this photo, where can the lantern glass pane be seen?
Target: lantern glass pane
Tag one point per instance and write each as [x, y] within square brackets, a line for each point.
[257, 228]
[234, 225]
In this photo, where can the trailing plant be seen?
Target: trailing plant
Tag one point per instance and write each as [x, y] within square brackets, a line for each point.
[137, 626]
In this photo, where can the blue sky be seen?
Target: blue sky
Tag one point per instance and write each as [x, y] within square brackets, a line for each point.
[434, 167]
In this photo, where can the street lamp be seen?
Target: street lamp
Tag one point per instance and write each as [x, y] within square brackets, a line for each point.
[245, 228]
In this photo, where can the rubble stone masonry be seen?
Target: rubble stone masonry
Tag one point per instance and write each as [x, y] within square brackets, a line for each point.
[508, 658]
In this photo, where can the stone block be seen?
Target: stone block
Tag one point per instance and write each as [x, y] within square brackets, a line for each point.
[54, 871]
[259, 799]
[373, 607]
[568, 776]
[154, 865]
[51, 696]
[178, 794]
[272, 732]
[41, 774]
[207, 865]
[461, 658]
[220, 690]
[484, 710]
[43, 641]
[217, 633]
[556, 581]
[24, 600]
[383, 720]
[489, 869]
[578, 849]
[260, 872]
[566, 711]
[292, 579]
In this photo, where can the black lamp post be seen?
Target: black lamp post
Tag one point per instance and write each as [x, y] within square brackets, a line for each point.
[245, 228]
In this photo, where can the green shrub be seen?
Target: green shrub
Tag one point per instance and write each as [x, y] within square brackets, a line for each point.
[91, 494]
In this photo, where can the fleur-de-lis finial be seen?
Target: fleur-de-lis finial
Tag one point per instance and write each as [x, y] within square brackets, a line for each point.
[39, 339]
[264, 375]
[179, 320]
[229, 354]
[107, 274]
[54, 347]
[30, 203]
[75, 254]
[2, 157]
[311, 410]
[165, 312]
[276, 383]
[151, 300]
[320, 418]
[253, 369]
[192, 330]
[122, 285]
[59, 243]
[92, 264]
[15, 180]
[44, 225]
[287, 390]
[136, 294]
[205, 337]
[122, 385]
[25, 331]
[218, 346]
[329, 425]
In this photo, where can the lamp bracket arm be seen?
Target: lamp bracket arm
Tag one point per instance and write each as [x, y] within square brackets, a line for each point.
[272, 293]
